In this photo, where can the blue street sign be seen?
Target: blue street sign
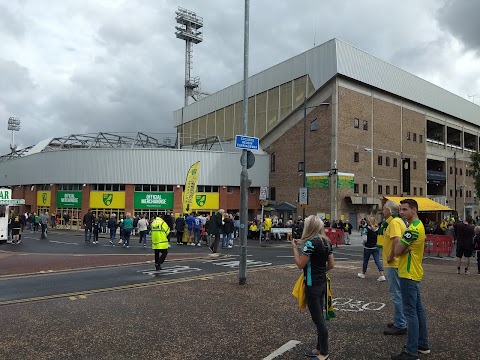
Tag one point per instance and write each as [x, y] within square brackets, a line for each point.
[246, 142]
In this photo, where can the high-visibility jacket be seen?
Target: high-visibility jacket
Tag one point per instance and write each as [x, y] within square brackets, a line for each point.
[160, 231]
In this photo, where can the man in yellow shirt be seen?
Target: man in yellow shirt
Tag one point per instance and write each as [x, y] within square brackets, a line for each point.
[267, 225]
[392, 234]
[410, 251]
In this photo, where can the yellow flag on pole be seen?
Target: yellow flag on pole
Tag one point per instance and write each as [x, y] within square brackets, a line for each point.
[190, 187]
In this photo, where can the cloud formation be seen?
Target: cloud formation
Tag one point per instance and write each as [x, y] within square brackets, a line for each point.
[89, 66]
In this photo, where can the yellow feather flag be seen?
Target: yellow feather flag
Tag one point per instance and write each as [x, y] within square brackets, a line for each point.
[190, 187]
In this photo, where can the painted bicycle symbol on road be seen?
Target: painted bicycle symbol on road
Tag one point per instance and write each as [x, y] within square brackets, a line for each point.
[346, 304]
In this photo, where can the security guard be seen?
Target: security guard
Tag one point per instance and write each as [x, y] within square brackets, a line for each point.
[160, 231]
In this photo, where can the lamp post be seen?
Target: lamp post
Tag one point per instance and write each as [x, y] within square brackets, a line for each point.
[305, 107]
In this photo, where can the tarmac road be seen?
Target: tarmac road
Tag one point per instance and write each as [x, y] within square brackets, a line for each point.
[205, 314]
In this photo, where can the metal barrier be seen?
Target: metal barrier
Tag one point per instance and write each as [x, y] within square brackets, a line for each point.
[335, 236]
[439, 245]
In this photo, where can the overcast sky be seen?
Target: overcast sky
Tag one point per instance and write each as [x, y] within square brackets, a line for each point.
[84, 66]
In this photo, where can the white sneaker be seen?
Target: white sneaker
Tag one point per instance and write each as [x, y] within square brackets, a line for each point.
[361, 275]
[381, 278]
[229, 246]
[199, 244]
[120, 241]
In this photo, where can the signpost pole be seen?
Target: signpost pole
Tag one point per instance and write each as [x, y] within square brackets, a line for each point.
[242, 275]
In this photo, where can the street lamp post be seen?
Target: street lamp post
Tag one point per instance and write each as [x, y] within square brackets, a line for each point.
[305, 107]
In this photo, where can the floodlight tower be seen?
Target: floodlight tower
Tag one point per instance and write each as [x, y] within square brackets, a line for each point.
[189, 30]
[14, 125]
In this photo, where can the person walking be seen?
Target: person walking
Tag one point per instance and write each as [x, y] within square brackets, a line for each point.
[370, 249]
[215, 229]
[180, 228]
[392, 230]
[197, 230]
[465, 233]
[127, 230]
[16, 227]
[316, 259]
[143, 228]
[476, 246]
[160, 231]
[97, 227]
[43, 221]
[347, 228]
[88, 220]
[409, 250]
[112, 226]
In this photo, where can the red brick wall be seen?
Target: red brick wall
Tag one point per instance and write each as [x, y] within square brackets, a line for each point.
[129, 197]
[177, 199]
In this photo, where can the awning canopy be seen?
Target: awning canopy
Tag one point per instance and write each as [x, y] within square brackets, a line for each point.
[424, 204]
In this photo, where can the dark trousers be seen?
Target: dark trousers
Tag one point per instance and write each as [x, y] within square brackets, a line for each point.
[215, 242]
[95, 236]
[316, 304]
[478, 261]
[44, 231]
[160, 259]
[179, 236]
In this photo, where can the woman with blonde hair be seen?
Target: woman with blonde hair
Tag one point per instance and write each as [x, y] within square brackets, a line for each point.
[370, 249]
[316, 259]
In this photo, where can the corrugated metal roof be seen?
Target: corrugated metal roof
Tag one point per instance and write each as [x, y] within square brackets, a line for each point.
[337, 57]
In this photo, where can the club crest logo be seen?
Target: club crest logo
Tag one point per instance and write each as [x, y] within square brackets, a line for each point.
[107, 199]
[201, 200]
[44, 198]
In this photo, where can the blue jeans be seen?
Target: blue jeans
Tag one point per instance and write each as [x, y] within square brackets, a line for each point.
[197, 236]
[415, 313]
[112, 234]
[143, 237]
[88, 234]
[376, 257]
[396, 295]
[226, 239]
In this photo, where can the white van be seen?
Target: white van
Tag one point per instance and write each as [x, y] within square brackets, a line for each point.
[4, 213]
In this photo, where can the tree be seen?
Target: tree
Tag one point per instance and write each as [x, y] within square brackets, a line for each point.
[475, 157]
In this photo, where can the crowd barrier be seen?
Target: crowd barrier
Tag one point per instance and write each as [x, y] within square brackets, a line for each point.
[335, 236]
[439, 245]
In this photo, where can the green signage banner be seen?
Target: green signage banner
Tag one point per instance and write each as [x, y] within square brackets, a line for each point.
[321, 181]
[72, 199]
[345, 182]
[153, 200]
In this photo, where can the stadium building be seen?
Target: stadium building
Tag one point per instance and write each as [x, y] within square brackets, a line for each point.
[353, 129]
[117, 173]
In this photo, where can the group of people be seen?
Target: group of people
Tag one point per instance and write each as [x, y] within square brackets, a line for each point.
[402, 235]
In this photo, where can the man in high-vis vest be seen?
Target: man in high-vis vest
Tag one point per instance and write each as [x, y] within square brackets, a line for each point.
[160, 231]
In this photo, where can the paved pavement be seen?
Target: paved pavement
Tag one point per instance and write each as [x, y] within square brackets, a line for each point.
[207, 315]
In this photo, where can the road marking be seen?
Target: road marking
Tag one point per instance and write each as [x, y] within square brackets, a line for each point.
[282, 349]
[72, 298]
[82, 297]
[136, 286]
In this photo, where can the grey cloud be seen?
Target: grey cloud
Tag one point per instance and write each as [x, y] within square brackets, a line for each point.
[460, 17]
[11, 23]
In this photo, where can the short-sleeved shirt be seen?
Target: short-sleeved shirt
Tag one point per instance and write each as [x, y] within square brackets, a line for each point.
[396, 227]
[317, 249]
[197, 223]
[410, 263]
[190, 221]
[268, 224]
[465, 234]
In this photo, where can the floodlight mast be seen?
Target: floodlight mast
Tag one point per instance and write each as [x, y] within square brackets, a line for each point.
[189, 30]
[13, 125]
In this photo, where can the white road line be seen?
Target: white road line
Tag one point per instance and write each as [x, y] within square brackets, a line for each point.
[282, 349]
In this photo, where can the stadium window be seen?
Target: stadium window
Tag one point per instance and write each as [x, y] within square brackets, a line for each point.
[365, 125]
[101, 187]
[414, 137]
[451, 170]
[420, 138]
[273, 193]
[215, 189]
[252, 190]
[208, 188]
[169, 187]
[387, 161]
[460, 171]
[414, 165]
[356, 123]
[146, 187]
[230, 189]
[356, 157]
[387, 190]
[395, 162]
[421, 191]
[355, 188]
[451, 192]
[138, 187]
[380, 160]
[115, 187]
[414, 191]
[314, 125]
[408, 135]
[395, 190]
[365, 188]
[200, 188]
[380, 189]
[272, 162]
